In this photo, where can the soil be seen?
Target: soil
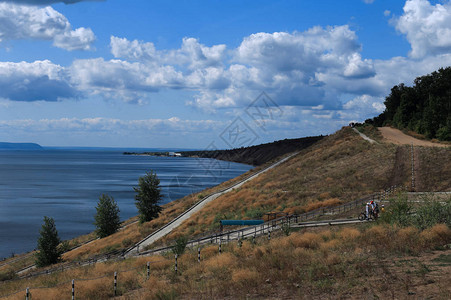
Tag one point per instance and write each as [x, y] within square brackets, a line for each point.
[397, 137]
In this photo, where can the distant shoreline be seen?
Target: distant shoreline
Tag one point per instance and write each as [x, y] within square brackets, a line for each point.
[252, 155]
[20, 146]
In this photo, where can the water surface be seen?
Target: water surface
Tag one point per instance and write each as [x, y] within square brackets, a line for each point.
[66, 184]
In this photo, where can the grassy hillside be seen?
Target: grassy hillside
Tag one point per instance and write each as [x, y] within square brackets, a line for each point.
[259, 154]
[337, 169]
[323, 263]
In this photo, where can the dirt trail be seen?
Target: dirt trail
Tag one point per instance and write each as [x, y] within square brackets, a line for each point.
[397, 137]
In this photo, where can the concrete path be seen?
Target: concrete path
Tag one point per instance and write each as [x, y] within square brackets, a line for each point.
[366, 138]
[196, 208]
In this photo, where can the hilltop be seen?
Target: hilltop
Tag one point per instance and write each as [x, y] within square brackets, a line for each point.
[424, 108]
[19, 146]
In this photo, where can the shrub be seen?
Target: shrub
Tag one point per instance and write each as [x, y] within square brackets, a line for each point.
[245, 277]
[180, 245]
[399, 212]
[438, 234]
[7, 274]
[431, 213]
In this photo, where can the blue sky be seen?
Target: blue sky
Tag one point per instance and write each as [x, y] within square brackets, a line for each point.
[207, 74]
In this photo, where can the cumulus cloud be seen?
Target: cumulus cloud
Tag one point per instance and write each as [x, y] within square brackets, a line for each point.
[362, 107]
[427, 27]
[40, 80]
[43, 23]
[191, 53]
[284, 64]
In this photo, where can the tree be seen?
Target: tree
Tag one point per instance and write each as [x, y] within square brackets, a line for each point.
[107, 219]
[148, 197]
[49, 251]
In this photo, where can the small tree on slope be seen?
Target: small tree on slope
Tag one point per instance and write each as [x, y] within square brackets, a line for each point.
[148, 197]
[49, 251]
[107, 219]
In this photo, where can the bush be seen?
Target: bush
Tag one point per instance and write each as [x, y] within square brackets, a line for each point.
[7, 274]
[431, 213]
[180, 245]
[399, 212]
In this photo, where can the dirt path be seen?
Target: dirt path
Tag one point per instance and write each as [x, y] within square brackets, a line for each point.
[397, 137]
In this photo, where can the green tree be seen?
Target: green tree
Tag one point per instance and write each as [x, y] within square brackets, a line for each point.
[49, 251]
[148, 197]
[107, 219]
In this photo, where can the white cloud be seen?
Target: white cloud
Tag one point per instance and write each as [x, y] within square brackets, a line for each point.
[133, 50]
[40, 80]
[427, 27]
[362, 107]
[191, 53]
[30, 22]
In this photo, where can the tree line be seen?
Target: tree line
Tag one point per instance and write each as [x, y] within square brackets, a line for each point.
[106, 219]
[424, 108]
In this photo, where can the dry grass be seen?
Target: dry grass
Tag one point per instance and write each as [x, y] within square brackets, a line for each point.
[339, 168]
[324, 263]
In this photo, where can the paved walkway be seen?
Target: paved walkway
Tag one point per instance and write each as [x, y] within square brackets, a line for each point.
[196, 208]
[366, 138]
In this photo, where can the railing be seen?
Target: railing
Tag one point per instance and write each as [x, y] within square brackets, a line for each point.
[254, 231]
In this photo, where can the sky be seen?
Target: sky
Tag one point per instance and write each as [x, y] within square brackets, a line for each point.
[207, 74]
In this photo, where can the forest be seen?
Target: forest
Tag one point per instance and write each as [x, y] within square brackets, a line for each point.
[424, 108]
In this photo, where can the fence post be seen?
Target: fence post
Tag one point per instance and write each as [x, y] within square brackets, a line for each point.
[176, 264]
[115, 283]
[148, 269]
[198, 254]
[73, 289]
[269, 235]
[27, 295]
[220, 247]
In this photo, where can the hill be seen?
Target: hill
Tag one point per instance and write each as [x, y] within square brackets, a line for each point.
[19, 146]
[259, 154]
[316, 264]
[424, 108]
